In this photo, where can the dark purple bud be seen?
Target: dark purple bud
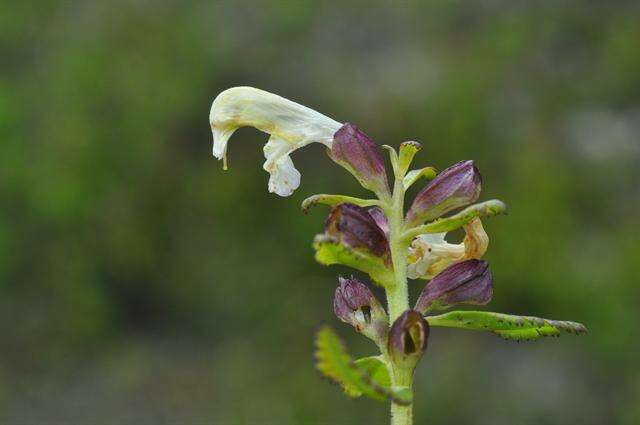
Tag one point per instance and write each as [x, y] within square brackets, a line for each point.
[354, 303]
[408, 338]
[355, 227]
[353, 150]
[468, 282]
[455, 187]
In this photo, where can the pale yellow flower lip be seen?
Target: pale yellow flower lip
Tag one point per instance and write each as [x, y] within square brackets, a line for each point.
[430, 253]
[290, 125]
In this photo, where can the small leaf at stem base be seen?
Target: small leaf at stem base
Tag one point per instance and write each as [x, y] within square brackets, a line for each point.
[334, 362]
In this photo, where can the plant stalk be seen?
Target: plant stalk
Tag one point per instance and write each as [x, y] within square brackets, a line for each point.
[398, 294]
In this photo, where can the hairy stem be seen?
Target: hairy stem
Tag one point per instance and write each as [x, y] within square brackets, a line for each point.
[397, 295]
[402, 415]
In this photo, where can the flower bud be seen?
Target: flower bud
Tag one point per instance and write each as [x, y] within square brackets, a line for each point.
[468, 282]
[355, 227]
[353, 150]
[354, 303]
[455, 187]
[408, 338]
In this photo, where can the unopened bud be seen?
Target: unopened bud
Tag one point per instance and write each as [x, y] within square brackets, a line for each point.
[468, 282]
[355, 304]
[455, 187]
[353, 150]
[408, 338]
[357, 227]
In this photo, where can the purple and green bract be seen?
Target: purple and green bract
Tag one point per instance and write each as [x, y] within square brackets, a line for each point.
[357, 153]
[456, 187]
[468, 282]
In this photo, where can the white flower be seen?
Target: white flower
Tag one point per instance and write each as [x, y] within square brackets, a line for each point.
[430, 253]
[290, 125]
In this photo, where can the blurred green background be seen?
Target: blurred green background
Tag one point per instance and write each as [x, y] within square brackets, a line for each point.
[141, 284]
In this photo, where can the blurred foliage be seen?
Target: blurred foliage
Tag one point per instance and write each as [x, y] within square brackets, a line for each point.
[139, 283]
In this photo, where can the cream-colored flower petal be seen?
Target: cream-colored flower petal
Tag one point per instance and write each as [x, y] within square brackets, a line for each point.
[290, 125]
[430, 253]
[284, 177]
[476, 240]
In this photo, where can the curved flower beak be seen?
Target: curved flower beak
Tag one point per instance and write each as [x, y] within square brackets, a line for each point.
[354, 303]
[430, 253]
[455, 187]
[290, 125]
[408, 338]
[353, 150]
[468, 282]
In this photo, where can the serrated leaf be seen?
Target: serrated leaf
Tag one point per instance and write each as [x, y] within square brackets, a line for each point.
[334, 362]
[332, 200]
[376, 369]
[453, 222]
[329, 252]
[517, 328]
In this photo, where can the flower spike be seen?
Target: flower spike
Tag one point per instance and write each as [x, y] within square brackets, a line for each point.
[376, 237]
[290, 125]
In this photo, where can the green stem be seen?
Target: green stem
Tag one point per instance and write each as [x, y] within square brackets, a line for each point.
[402, 415]
[398, 295]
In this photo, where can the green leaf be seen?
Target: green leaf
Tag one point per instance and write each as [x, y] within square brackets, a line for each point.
[447, 224]
[329, 252]
[334, 362]
[408, 150]
[332, 200]
[518, 328]
[393, 156]
[413, 176]
[376, 369]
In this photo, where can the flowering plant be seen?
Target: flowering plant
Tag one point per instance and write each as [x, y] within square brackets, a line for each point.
[376, 237]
